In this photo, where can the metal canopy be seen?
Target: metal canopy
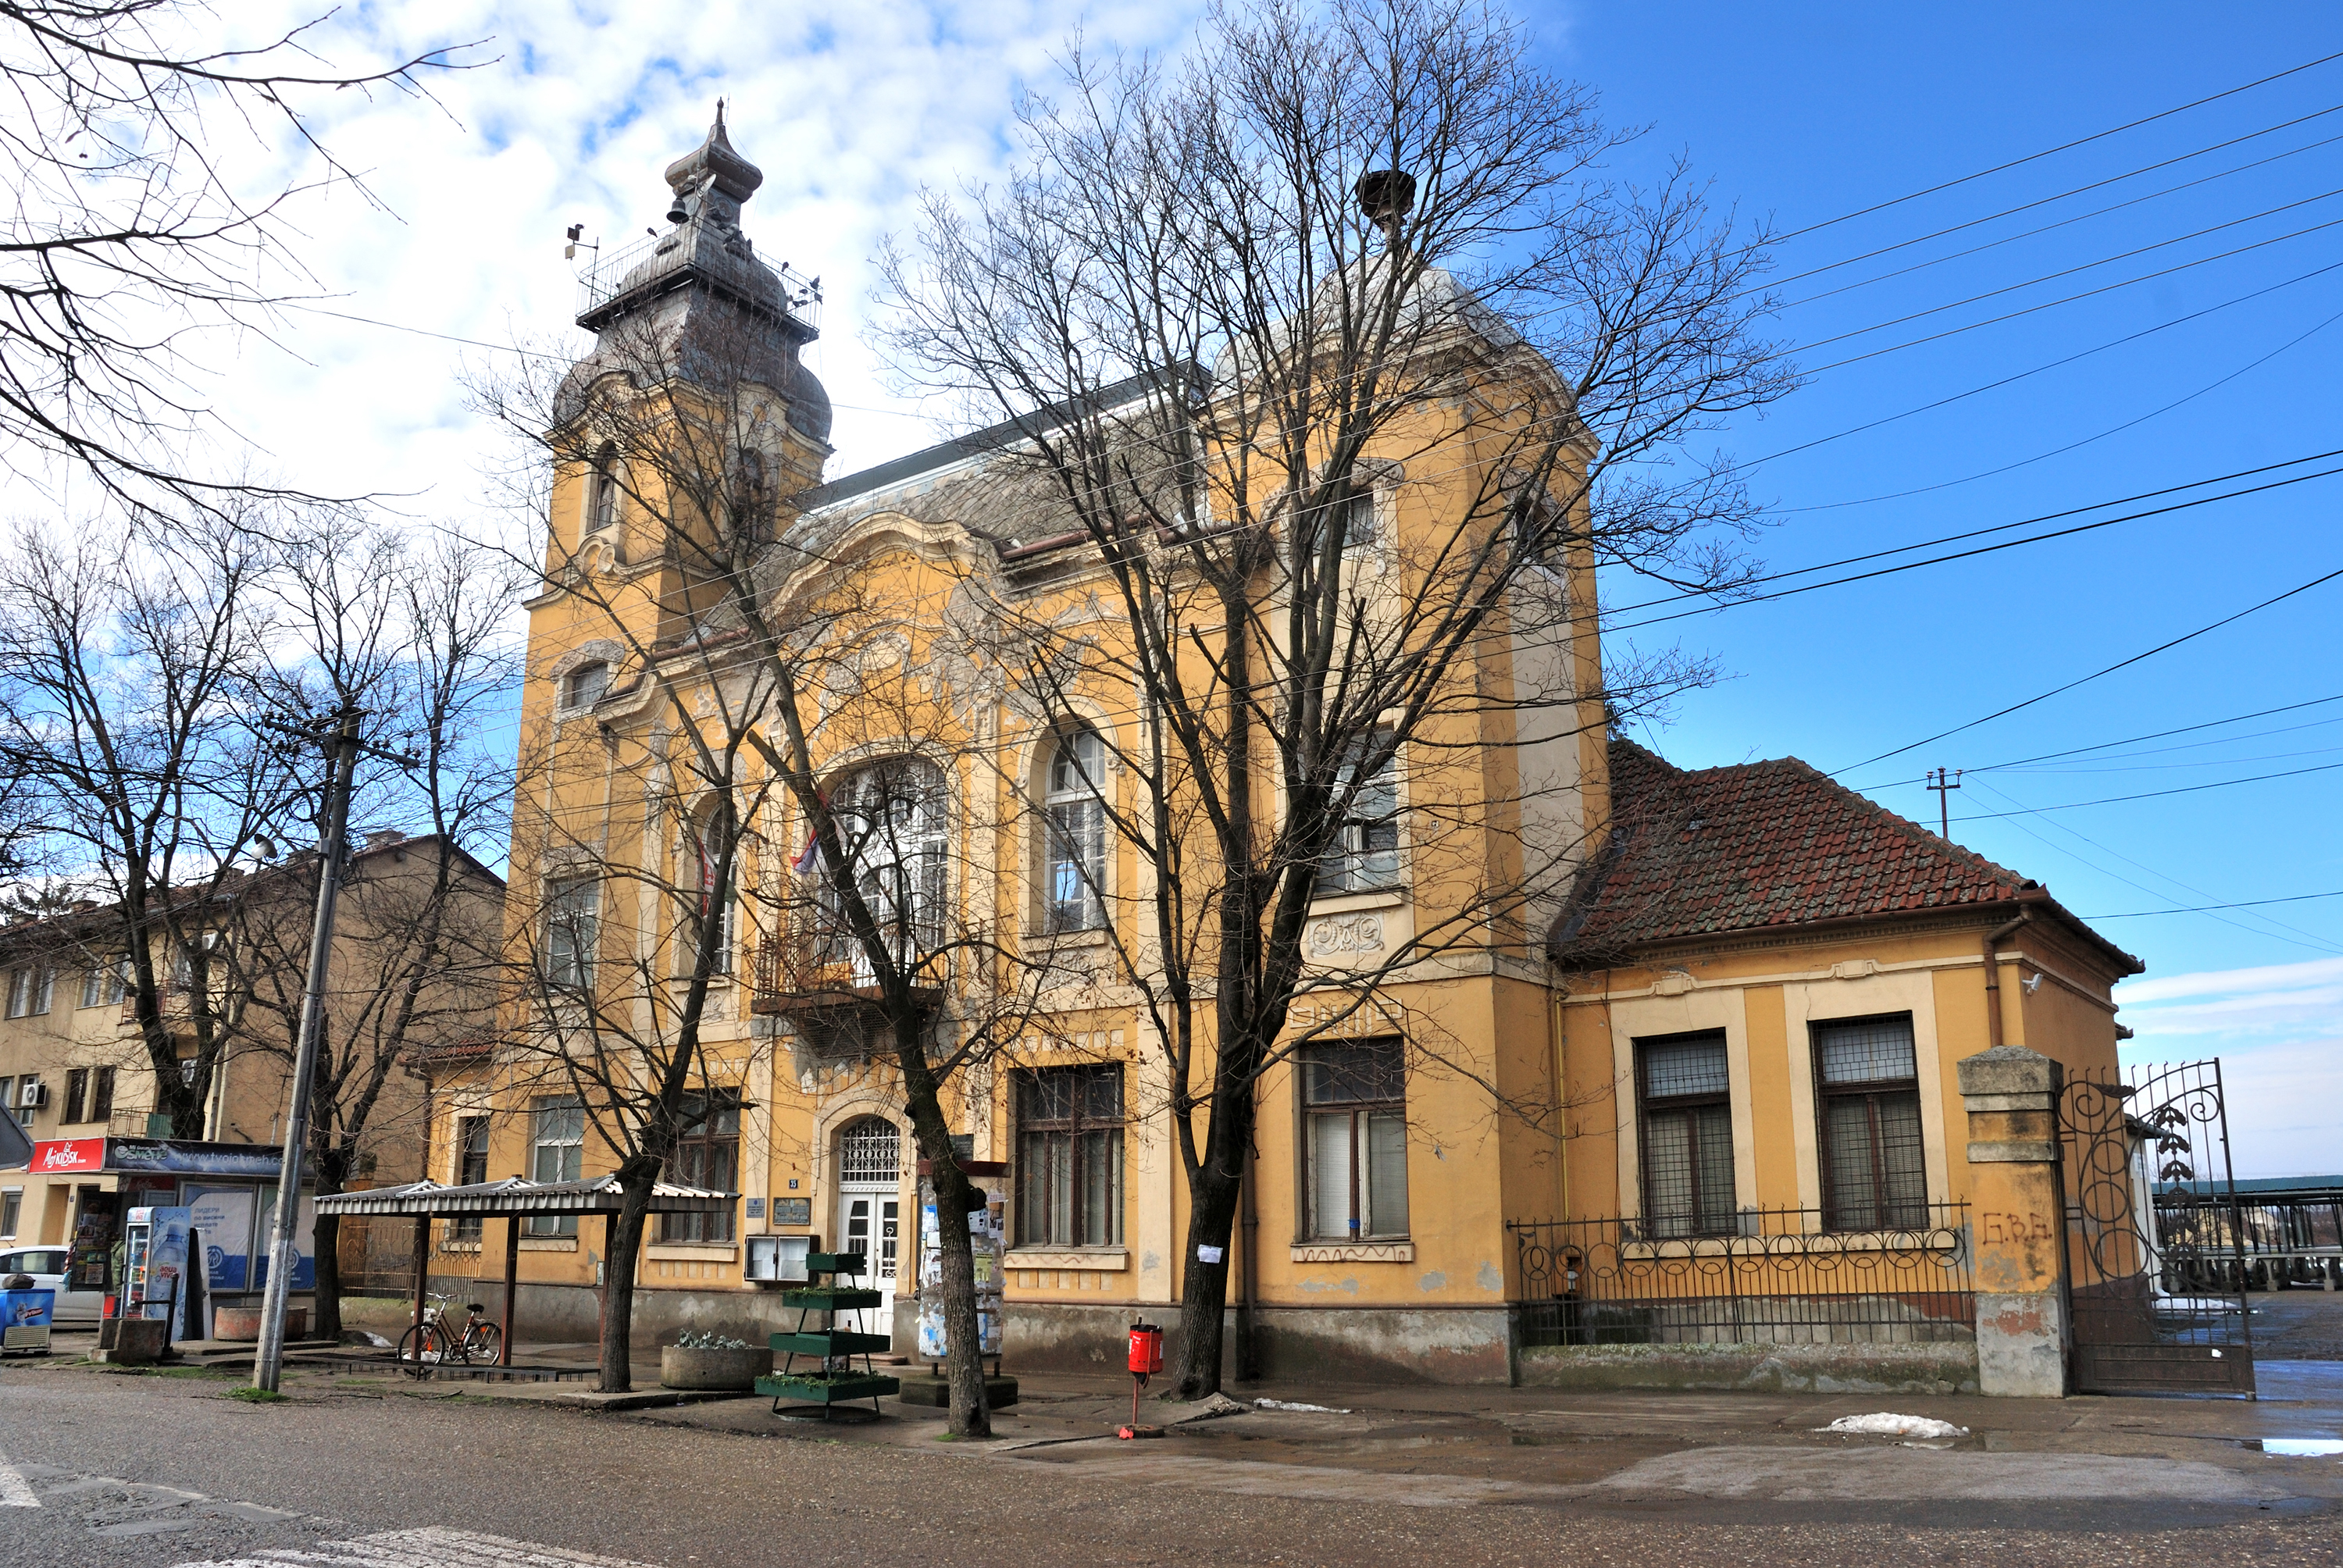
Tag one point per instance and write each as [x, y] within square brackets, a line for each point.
[594, 1195]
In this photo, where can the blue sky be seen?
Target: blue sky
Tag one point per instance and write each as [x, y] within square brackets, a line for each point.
[1804, 113]
[1800, 114]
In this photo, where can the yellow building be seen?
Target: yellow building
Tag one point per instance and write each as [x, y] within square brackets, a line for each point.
[1402, 1160]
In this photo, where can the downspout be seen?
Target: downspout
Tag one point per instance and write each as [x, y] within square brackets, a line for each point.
[1993, 940]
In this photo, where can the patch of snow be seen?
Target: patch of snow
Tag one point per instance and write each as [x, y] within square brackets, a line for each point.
[2301, 1447]
[1284, 1404]
[1886, 1425]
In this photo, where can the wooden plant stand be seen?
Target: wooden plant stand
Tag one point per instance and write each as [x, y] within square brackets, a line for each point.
[833, 1380]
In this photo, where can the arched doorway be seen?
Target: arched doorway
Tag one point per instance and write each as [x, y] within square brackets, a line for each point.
[870, 1202]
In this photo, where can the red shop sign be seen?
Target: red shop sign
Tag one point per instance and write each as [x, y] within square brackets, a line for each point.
[69, 1154]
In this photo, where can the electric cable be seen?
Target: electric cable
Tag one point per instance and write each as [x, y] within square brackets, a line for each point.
[2094, 675]
[2061, 148]
[2207, 909]
[2127, 740]
[2150, 795]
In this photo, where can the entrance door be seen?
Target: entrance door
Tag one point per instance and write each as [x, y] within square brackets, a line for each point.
[871, 1206]
[2155, 1239]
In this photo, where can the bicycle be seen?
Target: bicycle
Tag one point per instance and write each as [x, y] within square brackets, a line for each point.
[430, 1343]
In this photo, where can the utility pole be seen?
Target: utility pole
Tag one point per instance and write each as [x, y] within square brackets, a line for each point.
[1944, 783]
[342, 746]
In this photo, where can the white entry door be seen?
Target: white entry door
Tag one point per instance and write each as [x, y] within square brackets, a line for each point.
[871, 1207]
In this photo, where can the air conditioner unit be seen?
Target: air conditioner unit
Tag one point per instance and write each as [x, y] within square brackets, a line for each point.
[778, 1259]
[34, 1096]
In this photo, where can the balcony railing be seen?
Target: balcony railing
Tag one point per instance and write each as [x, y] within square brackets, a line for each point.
[651, 262]
[1779, 1277]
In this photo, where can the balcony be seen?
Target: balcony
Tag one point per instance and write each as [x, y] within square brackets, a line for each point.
[724, 261]
[802, 973]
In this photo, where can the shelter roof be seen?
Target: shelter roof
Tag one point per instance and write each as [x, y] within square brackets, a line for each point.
[1767, 846]
[515, 1195]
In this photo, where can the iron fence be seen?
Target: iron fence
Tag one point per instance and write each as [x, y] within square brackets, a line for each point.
[1779, 1277]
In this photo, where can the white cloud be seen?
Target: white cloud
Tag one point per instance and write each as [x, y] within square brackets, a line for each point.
[849, 109]
[2278, 1032]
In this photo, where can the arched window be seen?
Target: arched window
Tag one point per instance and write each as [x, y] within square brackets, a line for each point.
[1075, 859]
[890, 820]
[585, 685]
[602, 491]
[871, 1150]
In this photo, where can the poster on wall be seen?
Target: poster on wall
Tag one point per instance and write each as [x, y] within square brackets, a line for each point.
[305, 1243]
[223, 1219]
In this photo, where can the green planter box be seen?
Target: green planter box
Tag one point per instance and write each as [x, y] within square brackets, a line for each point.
[817, 1389]
[831, 1299]
[831, 1342]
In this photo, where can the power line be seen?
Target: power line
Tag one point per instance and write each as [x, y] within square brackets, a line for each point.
[2205, 909]
[2021, 523]
[2045, 305]
[2084, 680]
[2078, 190]
[2150, 795]
[2127, 740]
[1986, 551]
[2087, 441]
[2061, 148]
[2048, 276]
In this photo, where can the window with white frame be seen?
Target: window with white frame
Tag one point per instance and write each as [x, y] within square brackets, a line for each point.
[1868, 1099]
[890, 819]
[103, 985]
[586, 684]
[1354, 1116]
[1364, 854]
[573, 911]
[557, 1153]
[702, 857]
[1683, 1096]
[602, 490]
[29, 988]
[1075, 865]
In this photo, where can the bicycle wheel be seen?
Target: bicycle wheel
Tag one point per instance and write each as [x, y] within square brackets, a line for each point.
[484, 1343]
[420, 1349]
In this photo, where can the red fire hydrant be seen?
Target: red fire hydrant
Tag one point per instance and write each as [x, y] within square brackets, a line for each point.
[1146, 1360]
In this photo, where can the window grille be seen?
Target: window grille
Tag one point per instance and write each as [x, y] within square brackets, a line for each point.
[1868, 1094]
[1684, 1095]
[871, 1150]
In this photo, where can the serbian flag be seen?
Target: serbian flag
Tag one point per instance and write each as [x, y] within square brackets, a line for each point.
[809, 860]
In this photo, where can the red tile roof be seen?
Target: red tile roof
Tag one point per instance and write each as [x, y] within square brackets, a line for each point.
[1765, 846]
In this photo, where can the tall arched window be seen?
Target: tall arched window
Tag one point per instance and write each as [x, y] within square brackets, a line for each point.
[602, 491]
[1074, 861]
[890, 820]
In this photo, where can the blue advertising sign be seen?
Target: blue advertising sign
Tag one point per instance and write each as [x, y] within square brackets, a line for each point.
[159, 1154]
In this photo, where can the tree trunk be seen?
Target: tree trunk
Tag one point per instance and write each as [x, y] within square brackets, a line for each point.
[619, 1281]
[971, 1410]
[1204, 1285]
[325, 1315]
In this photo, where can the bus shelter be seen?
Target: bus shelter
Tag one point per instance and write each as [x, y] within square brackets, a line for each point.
[515, 1198]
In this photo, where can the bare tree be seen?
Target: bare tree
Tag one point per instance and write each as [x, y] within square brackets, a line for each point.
[1332, 343]
[415, 637]
[132, 671]
[744, 670]
[134, 221]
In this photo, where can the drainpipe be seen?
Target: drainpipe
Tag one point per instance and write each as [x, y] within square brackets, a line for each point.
[1993, 940]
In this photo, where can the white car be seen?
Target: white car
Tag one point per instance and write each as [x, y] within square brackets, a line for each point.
[48, 1267]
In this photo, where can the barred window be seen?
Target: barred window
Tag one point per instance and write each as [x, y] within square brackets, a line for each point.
[1867, 1095]
[708, 1156]
[1683, 1093]
[1354, 1107]
[1069, 1156]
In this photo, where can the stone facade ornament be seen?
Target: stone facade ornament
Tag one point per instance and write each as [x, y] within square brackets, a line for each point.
[1361, 933]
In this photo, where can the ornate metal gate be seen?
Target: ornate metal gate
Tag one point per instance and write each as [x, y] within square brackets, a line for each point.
[2158, 1303]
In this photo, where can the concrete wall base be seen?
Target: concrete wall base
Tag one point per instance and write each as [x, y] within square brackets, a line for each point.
[2022, 1344]
[1942, 1368]
[1357, 1344]
[573, 1313]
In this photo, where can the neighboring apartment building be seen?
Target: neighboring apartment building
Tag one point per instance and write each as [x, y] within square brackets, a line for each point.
[1385, 1172]
[73, 1067]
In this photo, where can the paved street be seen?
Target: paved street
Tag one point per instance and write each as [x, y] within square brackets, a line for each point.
[358, 1472]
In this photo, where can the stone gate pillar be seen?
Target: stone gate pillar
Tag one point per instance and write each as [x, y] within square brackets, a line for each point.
[2016, 1220]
